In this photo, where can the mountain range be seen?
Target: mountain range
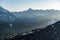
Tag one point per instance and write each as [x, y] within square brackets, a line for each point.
[17, 22]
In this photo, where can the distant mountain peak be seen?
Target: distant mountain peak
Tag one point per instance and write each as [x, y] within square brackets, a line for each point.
[30, 9]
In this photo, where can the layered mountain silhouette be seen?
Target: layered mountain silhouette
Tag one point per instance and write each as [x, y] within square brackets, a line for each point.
[27, 20]
[18, 22]
[51, 32]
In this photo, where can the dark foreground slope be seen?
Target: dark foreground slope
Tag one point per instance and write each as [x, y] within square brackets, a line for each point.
[51, 32]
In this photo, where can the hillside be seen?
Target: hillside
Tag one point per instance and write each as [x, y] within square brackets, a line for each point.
[51, 32]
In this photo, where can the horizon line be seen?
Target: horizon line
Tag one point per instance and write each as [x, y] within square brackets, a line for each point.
[31, 9]
[35, 9]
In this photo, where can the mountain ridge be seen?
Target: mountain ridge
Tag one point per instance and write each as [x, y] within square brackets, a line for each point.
[27, 20]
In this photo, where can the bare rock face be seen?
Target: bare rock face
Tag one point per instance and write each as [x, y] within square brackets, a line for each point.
[51, 32]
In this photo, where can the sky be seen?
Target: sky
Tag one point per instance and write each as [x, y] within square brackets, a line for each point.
[20, 5]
